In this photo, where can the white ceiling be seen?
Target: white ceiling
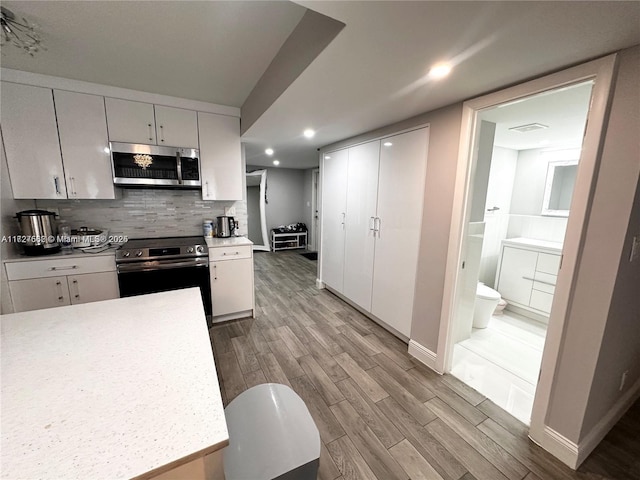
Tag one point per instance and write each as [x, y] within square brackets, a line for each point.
[371, 75]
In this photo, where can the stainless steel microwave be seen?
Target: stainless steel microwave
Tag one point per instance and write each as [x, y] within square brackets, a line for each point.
[135, 165]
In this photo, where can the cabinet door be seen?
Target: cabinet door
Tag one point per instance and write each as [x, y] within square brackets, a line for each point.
[82, 126]
[93, 287]
[130, 122]
[38, 293]
[362, 197]
[334, 211]
[31, 142]
[220, 157]
[231, 286]
[517, 270]
[403, 163]
[176, 127]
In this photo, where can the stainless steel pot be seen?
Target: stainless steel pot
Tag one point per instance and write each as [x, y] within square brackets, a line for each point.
[39, 232]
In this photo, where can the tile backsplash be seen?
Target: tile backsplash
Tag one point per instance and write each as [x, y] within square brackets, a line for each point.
[142, 212]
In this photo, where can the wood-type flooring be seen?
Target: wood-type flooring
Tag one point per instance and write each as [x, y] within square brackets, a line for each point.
[382, 414]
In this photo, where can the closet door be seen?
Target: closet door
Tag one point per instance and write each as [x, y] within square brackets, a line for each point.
[403, 162]
[362, 196]
[334, 210]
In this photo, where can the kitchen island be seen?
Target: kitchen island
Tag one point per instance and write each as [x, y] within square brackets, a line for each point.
[117, 389]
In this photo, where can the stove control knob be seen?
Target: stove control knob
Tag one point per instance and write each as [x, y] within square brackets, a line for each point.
[139, 253]
[126, 254]
[200, 249]
[190, 250]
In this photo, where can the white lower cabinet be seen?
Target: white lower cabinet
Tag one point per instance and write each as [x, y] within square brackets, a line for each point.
[231, 286]
[59, 281]
[369, 253]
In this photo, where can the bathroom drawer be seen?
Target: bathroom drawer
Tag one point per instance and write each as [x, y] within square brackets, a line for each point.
[548, 263]
[545, 278]
[541, 301]
[59, 266]
[229, 253]
[544, 287]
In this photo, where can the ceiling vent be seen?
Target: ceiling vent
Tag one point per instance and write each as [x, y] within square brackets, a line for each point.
[529, 127]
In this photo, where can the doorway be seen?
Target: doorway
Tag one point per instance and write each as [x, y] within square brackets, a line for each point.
[315, 213]
[461, 281]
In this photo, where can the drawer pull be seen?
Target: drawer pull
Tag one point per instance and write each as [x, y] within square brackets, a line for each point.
[234, 253]
[70, 267]
[539, 281]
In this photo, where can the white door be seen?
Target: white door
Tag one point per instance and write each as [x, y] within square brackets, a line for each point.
[334, 210]
[38, 293]
[130, 122]
[176, 127]
[403, 163]
[231, 286]
[84, 143]
[362, 196]
[93, 287]
[31, 142]
[220, 157]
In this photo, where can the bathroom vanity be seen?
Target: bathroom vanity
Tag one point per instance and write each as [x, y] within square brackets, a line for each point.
[526, 275]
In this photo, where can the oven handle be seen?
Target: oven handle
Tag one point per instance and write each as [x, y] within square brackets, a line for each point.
[153, 266]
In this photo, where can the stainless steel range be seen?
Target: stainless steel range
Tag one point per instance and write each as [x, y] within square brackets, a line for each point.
[150, 265]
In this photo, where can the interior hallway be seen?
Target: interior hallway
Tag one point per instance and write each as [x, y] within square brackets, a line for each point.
[381, 414]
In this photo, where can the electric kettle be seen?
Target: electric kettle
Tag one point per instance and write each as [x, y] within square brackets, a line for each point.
[226, 226]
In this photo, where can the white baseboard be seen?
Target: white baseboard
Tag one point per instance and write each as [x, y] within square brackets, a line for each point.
[573, 454]
[591, 440]
[423, 354]
[319, 284]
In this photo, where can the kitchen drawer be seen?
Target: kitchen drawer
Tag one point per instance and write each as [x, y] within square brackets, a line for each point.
[548, 263]
[541, 301]
[59, 266]
[229, 253]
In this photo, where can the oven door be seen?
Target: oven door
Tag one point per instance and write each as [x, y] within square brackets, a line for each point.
[135, 281]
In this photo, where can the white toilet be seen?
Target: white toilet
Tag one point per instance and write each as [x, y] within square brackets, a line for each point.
[487, 300]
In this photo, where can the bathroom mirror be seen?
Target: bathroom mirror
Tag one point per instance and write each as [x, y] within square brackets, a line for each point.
[256, 209]
[561, 178]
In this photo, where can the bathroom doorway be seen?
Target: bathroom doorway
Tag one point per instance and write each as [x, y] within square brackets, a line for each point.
[523, 187]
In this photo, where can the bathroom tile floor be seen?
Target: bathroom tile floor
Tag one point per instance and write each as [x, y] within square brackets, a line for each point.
[502, 362]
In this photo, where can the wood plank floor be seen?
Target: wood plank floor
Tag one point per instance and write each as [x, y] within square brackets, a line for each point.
[381, 414]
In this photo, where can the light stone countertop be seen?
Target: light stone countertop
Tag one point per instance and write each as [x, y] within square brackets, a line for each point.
[554, 247]
[213, 242]
[108, 390]
[76, 253]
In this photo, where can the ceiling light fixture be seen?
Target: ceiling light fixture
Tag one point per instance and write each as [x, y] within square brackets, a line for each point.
[440, 70]
[276, 162]
[21, 34]
[309, 133]
[387, 144]
[269, 151]
[529, 127]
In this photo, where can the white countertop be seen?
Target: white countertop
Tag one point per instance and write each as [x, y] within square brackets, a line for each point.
[531, 242]
[213, 242]
[108, 390]
[76, 253]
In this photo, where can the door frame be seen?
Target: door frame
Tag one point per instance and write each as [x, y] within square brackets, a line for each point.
[315, 204]
[601, 71]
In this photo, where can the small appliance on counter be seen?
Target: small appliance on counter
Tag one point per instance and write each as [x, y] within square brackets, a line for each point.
[39, 232]
[88, 237]
[226, 226]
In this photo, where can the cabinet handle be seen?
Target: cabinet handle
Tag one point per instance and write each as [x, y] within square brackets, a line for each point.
[77, 294]
[215, 272]
[207, 185]
[344, 217]
[372, 227]
[68, 267]
[150, 132]
[161, 133]
[376, 226]
[539, 281]
[234, 253]
[56, 183]
[73, 186]
[60, 295]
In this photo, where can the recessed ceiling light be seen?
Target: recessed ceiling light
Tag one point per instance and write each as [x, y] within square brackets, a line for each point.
[276, 162]
[387, 144]
[327, 157]
[107, 150]
[309, 133]
[269, 151]
[440, 70]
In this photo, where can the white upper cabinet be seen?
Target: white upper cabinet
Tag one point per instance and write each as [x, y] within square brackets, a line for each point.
[176, 127]
[334, 214]
[130, 122]
[220, 157]
[138, 122]
[362, 195]
[403, 164]
[83, 140]
[31, 142]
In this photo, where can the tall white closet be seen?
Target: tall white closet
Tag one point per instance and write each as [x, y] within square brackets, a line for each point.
[371, 217]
